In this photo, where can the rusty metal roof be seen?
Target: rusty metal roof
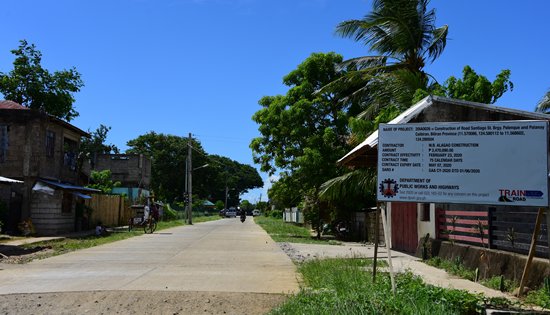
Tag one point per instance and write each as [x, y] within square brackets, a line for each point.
[7, 104]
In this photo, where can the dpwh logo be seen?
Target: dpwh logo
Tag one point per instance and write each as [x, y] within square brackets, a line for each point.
[389, 188]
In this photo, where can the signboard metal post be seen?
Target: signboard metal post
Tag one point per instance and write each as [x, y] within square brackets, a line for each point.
[376, 240]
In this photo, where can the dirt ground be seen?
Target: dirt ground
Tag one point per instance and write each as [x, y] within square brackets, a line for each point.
[139, 302]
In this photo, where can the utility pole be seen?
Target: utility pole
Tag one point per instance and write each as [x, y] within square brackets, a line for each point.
[225, 204]
[189, 181]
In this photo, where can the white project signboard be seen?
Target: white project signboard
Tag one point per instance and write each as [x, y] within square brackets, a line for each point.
[493, 163]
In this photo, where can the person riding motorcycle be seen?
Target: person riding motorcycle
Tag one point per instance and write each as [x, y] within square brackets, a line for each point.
[243, 215]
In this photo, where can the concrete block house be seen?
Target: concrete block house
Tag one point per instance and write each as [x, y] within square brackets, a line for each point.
[133, 171]
[41, 151]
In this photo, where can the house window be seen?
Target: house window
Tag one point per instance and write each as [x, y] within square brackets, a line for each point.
[67, 203]
[69, 154]
[50, 143]
[3, 143]
[425, 215]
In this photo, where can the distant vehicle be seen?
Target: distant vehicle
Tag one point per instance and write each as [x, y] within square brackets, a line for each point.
[255, 212]
[230, 213]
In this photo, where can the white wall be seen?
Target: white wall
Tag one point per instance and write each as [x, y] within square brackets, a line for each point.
[424, 227]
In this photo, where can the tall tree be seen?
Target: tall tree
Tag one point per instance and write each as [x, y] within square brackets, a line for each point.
[224, 172]
[168, 155]
[30, 85]
[95, 144]
[304, 132]
[91, 146]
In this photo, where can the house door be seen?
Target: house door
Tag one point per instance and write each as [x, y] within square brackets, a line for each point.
[404, 231]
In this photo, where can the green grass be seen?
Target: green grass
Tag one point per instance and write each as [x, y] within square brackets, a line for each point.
[287, 232]
[454, 267]
[540, 297]
[345, 286]
[494, 283]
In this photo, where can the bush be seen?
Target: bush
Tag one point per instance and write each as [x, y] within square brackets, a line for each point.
[169, 213]
[277, 214]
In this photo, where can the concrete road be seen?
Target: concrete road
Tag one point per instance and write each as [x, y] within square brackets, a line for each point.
[223, 256]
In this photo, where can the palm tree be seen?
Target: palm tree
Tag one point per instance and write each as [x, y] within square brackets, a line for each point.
[544, 104]
[404, 34]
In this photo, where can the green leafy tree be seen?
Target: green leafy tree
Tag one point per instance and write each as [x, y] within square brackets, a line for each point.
[95, 144]
[30, 85]
[169, 154]
[91, 146]
[246, 206]
[219, 205]
[471, 87]
[224, 172]
[168, 159]
[102, 180]
[285, 192]
[304, 132]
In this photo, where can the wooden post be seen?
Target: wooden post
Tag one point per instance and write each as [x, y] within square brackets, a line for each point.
[531, 251]
[376, 241]
[388, 238]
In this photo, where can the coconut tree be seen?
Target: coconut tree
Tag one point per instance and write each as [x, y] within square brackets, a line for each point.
[543, 105]
[404, 35]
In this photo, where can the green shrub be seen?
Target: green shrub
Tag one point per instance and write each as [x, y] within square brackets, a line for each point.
[540, 297]
[169, 213]
[278, 214]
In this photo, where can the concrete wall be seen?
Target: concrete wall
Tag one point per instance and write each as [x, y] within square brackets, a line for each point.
[132, 170]
[26, 154]
[492, 262]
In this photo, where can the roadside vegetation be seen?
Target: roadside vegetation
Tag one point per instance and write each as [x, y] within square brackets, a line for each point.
[286, 232]
[345, 286]
[540, 297]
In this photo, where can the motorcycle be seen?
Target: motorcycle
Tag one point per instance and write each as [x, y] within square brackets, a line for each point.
[243, 217]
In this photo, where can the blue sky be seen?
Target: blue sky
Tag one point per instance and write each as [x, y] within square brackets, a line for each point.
[200, 66]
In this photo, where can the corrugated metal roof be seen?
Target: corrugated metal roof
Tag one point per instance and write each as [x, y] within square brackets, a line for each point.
[9, 180]
[69, 186]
